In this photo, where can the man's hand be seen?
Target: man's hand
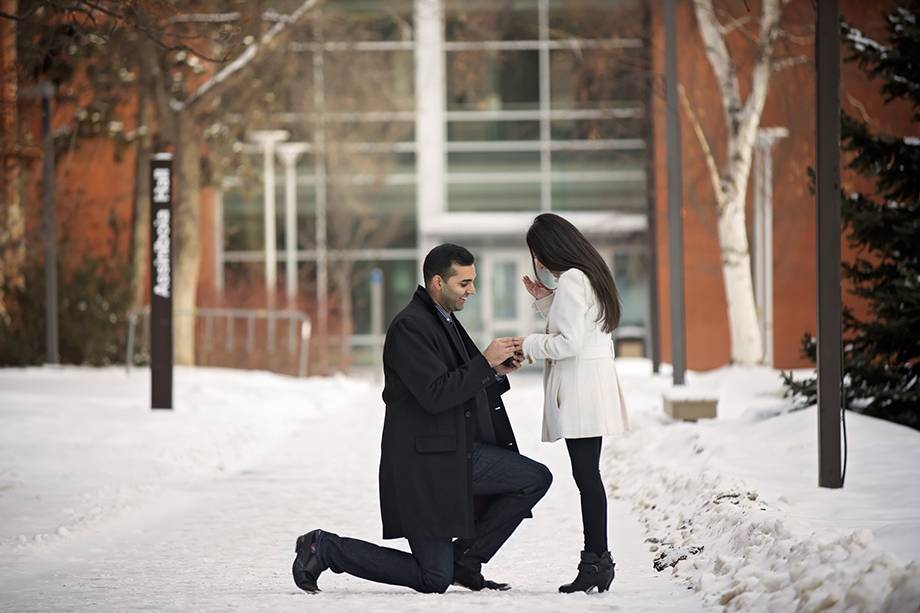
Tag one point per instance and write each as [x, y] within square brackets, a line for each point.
[500, 350]
[511, 364]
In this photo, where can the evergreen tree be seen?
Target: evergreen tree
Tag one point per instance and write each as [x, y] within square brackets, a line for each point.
[882, 352]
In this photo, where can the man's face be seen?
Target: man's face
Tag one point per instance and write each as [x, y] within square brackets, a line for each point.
[457, 288]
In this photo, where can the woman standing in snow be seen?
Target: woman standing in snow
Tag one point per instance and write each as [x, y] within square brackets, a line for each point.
[583, 400]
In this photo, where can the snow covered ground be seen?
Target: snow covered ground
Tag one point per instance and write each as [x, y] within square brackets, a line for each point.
[107, 505]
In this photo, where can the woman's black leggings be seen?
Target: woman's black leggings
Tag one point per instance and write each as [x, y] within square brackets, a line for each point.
[585, 454]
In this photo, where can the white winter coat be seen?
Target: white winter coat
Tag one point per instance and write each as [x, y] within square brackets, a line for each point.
[582, 396]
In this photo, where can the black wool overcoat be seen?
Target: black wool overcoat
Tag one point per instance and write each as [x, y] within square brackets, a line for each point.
[431, 396]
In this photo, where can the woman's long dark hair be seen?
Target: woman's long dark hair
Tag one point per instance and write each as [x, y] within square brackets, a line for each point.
[560, 246]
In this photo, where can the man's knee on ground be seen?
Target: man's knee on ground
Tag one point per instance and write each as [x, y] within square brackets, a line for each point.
[438, 587]
[436, 582]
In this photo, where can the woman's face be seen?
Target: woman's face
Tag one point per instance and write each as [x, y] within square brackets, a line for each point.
[541, 267]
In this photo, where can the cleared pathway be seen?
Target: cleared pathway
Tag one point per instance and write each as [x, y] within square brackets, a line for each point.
[227, 543]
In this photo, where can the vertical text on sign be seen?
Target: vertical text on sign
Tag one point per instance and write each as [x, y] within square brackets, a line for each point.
[161, 251]
[161, 245]
[160, 185]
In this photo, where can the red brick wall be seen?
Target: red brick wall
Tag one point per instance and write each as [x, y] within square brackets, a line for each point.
[790, 103]
[93, 189]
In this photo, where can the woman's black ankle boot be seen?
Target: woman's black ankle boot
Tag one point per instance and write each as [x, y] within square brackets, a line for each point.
[594, 571]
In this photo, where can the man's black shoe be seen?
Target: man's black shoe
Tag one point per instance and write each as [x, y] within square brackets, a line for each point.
[307, 566]
[473, 580]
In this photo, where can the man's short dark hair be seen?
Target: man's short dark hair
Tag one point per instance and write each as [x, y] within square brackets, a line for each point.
[440, 259]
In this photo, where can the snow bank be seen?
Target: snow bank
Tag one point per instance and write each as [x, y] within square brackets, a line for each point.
[731, 506]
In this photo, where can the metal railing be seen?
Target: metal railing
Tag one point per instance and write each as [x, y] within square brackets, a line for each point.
[299, 329]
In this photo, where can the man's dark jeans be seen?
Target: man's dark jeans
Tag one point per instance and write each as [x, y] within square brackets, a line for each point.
[518, 484]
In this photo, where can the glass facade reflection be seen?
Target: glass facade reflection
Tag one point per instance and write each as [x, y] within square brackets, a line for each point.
[543, 106]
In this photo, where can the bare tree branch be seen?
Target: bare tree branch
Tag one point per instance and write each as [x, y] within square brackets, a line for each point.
[722, 65]
[807, 39]
[233, 17]
[270, 39]
[205, 18]
[711, 164]
[735, 24]
[760, 74]
[790, 62]
[82, 15]
[739, 24]
[859, 107]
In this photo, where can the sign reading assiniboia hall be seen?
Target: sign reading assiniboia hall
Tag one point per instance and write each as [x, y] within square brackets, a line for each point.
[161, 242]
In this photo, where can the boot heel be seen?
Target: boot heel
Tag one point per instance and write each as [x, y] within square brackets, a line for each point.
[613, 573]
[605, 586]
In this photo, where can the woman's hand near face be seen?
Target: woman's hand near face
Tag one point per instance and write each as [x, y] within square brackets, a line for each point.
[535, 288]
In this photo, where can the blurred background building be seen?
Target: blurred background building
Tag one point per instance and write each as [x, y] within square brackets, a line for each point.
[383, 127]
[459, 121]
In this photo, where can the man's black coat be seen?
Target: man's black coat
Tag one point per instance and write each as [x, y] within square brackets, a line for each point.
[432, 395]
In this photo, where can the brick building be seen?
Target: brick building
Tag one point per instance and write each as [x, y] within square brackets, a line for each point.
[501, 113]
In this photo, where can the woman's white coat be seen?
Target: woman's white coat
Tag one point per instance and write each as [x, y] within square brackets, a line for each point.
[582, 392]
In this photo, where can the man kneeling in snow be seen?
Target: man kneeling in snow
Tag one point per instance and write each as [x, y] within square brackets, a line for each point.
[449, 465]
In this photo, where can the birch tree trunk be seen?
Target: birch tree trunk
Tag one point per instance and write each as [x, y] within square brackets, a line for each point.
[730, 181]
[186, 216]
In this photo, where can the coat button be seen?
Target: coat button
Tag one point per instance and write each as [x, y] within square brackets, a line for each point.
[469, 456]
[467, 413]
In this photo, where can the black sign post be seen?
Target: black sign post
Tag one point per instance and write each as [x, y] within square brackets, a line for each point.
[161, 281]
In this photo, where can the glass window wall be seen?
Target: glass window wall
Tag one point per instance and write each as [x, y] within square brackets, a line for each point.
[545, 109]
[558, 111]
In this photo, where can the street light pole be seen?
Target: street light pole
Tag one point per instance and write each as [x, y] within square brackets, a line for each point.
[830, 367]
[289, 152]
[675, 185]
[269, 139]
